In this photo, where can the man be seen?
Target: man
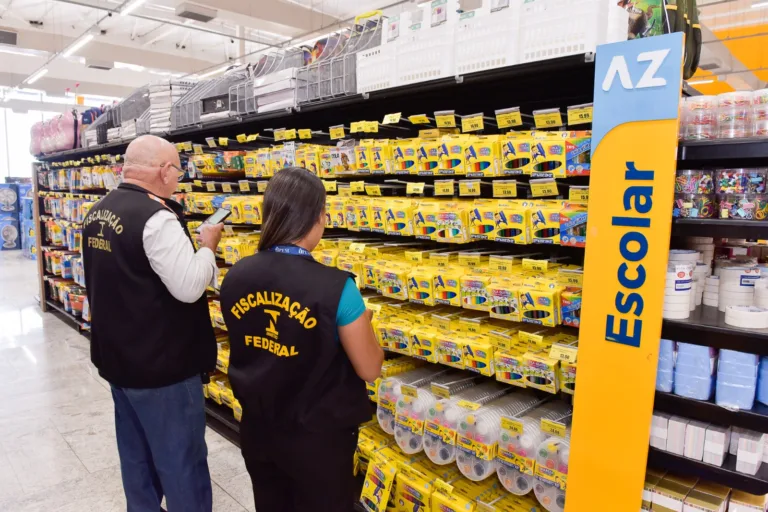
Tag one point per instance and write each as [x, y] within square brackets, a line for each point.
[151, 336]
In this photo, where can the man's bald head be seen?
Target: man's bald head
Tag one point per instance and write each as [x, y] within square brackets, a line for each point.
[149, 162]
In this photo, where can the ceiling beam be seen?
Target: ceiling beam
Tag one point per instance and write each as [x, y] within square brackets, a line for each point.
[247, 12]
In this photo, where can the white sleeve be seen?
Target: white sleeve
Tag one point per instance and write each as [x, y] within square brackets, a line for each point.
[172, 256]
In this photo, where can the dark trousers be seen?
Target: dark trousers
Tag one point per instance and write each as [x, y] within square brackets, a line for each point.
[161, 441]
[300, 471]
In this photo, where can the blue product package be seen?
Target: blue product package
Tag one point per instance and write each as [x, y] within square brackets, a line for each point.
[27, 208]
[665, 371]
[694, 371]
[25, 190]
[10, 237]
[762, 381]
[736, 379]
[9, 198]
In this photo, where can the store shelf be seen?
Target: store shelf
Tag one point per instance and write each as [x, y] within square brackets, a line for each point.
[726, 475]
[755, 419]
[222, 420]
[72, 319]
[719, 228]
[111, 147]
[728, 153]
[706, 326]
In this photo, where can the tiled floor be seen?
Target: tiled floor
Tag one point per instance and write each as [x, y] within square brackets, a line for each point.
[57, 433]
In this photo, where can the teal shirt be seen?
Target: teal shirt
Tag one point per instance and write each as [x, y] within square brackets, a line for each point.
[351, 305]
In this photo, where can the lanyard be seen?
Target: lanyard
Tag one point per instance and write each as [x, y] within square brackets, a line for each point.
[292, 250]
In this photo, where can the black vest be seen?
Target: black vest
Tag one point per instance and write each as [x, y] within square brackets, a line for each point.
[141, 336]
[287, 367]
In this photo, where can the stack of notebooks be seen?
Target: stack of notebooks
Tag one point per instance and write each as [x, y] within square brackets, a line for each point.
[162, 96]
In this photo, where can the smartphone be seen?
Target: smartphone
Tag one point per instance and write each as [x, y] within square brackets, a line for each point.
[219, 216]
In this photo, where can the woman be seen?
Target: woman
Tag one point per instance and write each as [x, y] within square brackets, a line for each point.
[301, 348]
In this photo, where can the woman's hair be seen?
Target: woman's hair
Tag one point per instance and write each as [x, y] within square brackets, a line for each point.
[293, 203]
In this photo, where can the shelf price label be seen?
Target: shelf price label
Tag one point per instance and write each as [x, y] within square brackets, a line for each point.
[571, 278]
[543, 187]
[261, 186]
[242, 138]
[252, 137]
[548, 118]
[279, 134]
[179, 147]
[414, 188]
[553, 427]
[505, 188]
[392, 118]
[469, 188]
[357, 127]
[580, 114]
[444, 187]
[211, 142]
[563, 353]
[198, 183]
[445, 119]
[513, 425]
[197, 149]
[210, 186]
[305, 134]
[419, 119]
[357, 186]
[187, 146]
[344, 189]
[509, 117]
[535, 265]
[223, 142]
[373, 190]
[330, 185]
[337, 132]
[371, 127]
[578, 194]
[244, 186]
[290, 134]
[184, 187]
[226, 188]
[473, 123]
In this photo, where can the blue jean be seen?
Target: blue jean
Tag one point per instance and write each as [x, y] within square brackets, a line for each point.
[161, 442]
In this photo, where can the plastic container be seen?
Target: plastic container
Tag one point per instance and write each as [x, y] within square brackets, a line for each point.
[740, 181]
[736, 379]
[390, 391]
[760, 121]
[550, 496]
[700, 118]
[742, 206]
[694, 206]
[694, 371]
[694, 182]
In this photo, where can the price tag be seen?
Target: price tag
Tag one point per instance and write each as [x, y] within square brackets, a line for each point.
[337, 132]
[357, 186]
[445, 119]
[330, 185]
[211, 142]
[242, 138]
[305, 134]
[392, 118]
[570, 278]
[279, 134]
[469, 260]
[505, 188]
[563, 353]
[543, 187]
[290, 134]
[580, 114]
[198, 183]
[444, 187]
[344, 190]
[553, 427]
[514, 426]
[198, 149]
[179, 146]
[226, 188]
[409, 391]
[187, 146]
[441, 391]
[548, 118]
[472, 406]
[373, 190]
[357, 247]
[443, 487]
[210, 186]
[261, 186]
[414, 188]
[469, 187]
[509, 117]
[244, 186]
[357, 127]
[185, 187]
[578, 194]
[228, 230]
[371, 127]
[419, 119]
[472, 123]
[252, 137]
[223, 142]
[535, 265]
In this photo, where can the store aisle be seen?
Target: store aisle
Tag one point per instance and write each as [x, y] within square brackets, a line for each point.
[57, 435]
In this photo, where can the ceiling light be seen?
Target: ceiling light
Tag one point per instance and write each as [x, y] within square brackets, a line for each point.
[78, 44]
[128, 9]
[36, 76]
[699, 82]
[132, 67]
[215, 71]
[759, 5]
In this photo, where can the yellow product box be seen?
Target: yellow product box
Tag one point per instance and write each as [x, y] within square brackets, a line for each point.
[381, 156]
[651, 480]
[328, 257]
[204, 203]
[371, 272]
[289, 154]
[545, 223]
[326, 164]
[363, 212]
[214, 392]
[479, 357]
[277, 162]
[504, 296]
[452, 222]
[246, 247]
[227, 245]
[421, 285]
[513, 222]
[669, 494]
[567, 377]
[482, 155]
[413, 489]
[353, 263]
[393, 280]
[483, 219]
[351, 213]
[548, 158]
[451, 155]
[425, 220]
[424, 343]
[744, 502]
[428, 157]
[263, 162]
[378, 217]
[447, 285]
[516, 158]
[474, 292]
[540, 307]
[510, 368]
[450, 349]
[398, 337]
[301, 156]
[251, 164]
[363, 156]
[504, 338]
[237, 410]
[252, 209]
[404, 156]
[343, 159]
[378, 483]
[541, 372]
[336, 211]
[399, 217]
[309, 158]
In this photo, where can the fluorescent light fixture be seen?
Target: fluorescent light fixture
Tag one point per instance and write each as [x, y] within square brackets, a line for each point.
[759, 5]
[35, 77]
[700, 82]
[128, 9]
[215, 71]
[132, 67]
[87, 38]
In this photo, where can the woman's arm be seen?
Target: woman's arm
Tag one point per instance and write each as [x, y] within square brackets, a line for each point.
[356, 334]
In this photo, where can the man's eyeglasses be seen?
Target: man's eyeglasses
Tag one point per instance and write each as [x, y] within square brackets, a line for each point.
[182, 173]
